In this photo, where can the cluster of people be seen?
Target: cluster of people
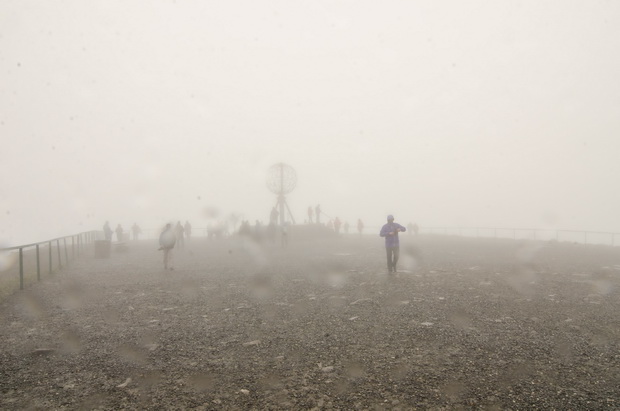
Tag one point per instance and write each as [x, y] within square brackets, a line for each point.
[259, 232]
[120, 233]
[175, 235]
[335, 224]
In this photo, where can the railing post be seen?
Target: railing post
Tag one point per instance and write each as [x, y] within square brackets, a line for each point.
[64, 240]
[58, 249]
[21, 268]
[50, 260]
[38, 265]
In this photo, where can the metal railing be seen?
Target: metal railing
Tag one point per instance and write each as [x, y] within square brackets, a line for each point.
[77, 246]
[582, 236]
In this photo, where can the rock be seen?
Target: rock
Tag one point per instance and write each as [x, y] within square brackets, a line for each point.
[125, 384]
[43, 351]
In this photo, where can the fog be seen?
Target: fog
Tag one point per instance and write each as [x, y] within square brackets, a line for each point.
[479, 113]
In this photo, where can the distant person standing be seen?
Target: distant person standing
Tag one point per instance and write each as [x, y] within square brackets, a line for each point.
[346, 227]
[337, 225]
[180, 233]
[410, 228]
[135, 231]
[107, 231]
[310, 214]
[167, 240]
[272, 232]
[188, 229]
[392, 247]
[119, 233]
[415, 228]
[284, 235]
[317, 213]
[258, 231]
[360, 226]
[273, 216]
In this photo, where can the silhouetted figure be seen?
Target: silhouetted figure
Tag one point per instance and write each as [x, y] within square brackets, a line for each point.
[284, 235]
[272, 232]
[310, 214]
[330, 224]
[360, 226]
[410, 228]
[337, 225]
[244, 229]
[188, 229]
[317, 213]
[180, 233]
[135, 231]
[167, 240]
[257, 231]
[346, 227]
[273, 216]
[119, 233]
[107, 231]
[392, 247]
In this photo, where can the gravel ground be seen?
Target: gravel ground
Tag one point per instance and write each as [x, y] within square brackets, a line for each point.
[466, 323]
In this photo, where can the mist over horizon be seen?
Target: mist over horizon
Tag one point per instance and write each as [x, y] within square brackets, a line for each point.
[449, 114]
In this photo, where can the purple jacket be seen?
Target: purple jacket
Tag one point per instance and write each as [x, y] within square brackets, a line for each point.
[391, 241]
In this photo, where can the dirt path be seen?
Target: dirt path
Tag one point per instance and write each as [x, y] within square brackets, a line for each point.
[471, 323]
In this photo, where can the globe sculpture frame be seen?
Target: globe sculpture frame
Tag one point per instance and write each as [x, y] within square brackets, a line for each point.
[282, 180]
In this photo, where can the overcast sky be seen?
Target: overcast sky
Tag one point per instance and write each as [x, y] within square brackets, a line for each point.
[470, 113]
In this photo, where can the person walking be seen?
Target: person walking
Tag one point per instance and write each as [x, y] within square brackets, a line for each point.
[273, 216]
[167, 240]
[360, 226]
[392, 247]
[188, 230]
[180, 232]
[415, 228]
[135, 230]
[337, 225]
[107, 231]
[119, 233]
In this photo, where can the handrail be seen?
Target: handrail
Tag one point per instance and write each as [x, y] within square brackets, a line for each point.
[534, 231]
[77, 247]
[519, 229]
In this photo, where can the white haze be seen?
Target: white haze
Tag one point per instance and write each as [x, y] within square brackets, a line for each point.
[452, 113]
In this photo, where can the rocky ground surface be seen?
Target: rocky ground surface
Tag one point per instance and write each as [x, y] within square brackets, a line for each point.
[466, 323]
